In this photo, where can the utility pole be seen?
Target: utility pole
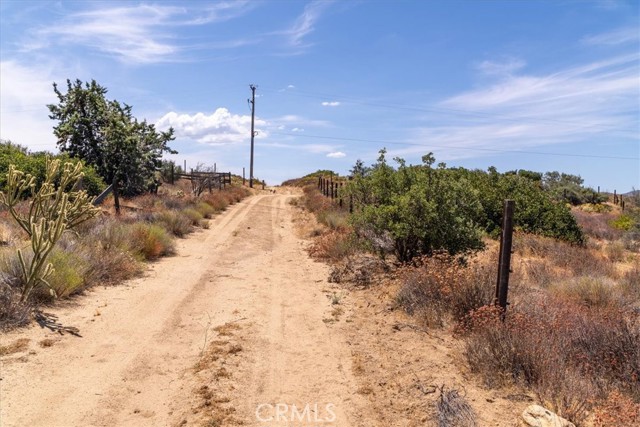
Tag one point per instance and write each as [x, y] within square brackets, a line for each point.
[253, 134]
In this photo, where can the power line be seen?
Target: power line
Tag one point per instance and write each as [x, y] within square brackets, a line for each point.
[335, 138]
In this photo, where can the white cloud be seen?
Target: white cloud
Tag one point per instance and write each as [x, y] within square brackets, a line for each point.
[137, 34]
[291, 87]
[220, 127]
[297, 130]
[620, 36]
[336, 155]
[330, 103]
[23, 113]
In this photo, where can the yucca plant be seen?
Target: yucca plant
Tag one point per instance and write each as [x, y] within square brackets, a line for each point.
[53, 208]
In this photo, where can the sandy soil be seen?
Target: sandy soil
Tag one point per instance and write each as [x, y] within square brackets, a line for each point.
[240, 328]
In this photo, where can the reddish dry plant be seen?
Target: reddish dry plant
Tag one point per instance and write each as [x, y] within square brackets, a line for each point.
[617, 410]
[334, 245]
[570, 354]
[442, 286]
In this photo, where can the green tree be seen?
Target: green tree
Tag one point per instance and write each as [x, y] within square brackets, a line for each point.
[35, 164]
[105, 134]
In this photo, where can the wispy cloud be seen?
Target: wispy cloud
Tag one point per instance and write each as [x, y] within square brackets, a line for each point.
[304, 24]
[336, 155]
[620, 36]
[505, 67]
[527, 110]
[331, 103]
[220, 127]
[135, 34]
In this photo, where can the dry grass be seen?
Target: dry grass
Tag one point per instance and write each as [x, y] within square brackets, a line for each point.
[453, 409]
[570, 354]
[442, 288]
[572, 331]
[597, 225]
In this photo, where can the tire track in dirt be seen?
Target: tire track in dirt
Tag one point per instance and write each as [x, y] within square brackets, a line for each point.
[125, 351]
[135, 364]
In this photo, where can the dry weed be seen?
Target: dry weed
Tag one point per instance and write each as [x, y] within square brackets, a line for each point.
[453, 409]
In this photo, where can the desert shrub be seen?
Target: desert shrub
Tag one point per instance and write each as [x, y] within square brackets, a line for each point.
[151, 241]
[108, 249]
[617, 410]
[68, 277]
[573, 260]
[597, 225]
[630, 283]
[194, 216]
[631, 241]
[442, 287]
[588, 290]
[149, 202]
[623, 222]
[205, 209]
[175, 222]
[453, 409]
[615, 251]
[177, 203]
[13, 312]
[334, 219]
[216, 201]
[314, 201]
[570, 354]
[334, 245]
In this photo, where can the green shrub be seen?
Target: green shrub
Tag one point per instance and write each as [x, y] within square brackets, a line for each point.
[205, 209]
[623, 222]
[174, 222]
[422, 209]
[150, 241]
[70, 272]
[194, 216]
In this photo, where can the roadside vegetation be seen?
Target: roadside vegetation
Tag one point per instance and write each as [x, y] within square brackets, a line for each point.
[53, 242]
[105, 250]
[571, 335]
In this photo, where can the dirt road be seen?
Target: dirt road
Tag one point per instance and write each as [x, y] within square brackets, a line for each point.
[235, 325]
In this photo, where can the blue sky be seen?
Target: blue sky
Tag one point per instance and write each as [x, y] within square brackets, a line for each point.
[540, 85]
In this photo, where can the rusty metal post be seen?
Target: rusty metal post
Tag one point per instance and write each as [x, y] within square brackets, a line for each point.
[504, 262]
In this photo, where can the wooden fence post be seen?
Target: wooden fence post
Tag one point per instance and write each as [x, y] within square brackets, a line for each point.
[350, 203]
[504, 262]
[340, 194]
